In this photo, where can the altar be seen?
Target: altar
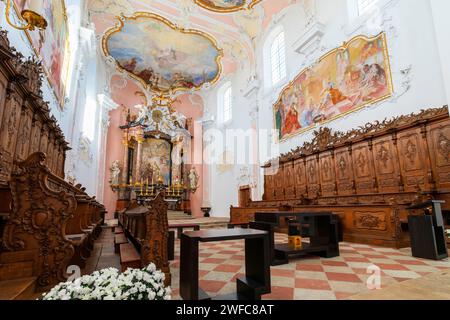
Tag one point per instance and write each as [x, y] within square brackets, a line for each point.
[156, 157]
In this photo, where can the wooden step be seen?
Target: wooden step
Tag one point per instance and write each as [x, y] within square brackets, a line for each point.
[119, 239]
[129, 257]
[118, 230]
[19, 289]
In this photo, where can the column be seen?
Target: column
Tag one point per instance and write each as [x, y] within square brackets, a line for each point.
[140, 139]
[125, 159]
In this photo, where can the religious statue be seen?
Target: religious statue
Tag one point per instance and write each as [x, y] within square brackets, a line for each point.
[193, 180]
[115, 173]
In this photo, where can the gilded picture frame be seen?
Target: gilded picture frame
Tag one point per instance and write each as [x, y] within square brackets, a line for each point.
[121, 24]
[60, 97]
[215, 8]
[340, 50]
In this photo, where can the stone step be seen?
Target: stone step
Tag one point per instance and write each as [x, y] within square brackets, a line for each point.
[19, 289]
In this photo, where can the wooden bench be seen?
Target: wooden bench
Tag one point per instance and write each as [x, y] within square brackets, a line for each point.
[181, 226]
[118, 240]
[118, 230]
[147, 230]
[243, 225]
[129, 257]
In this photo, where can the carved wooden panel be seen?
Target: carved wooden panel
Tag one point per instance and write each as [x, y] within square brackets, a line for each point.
[10, 123]
[279, 184]
[3, 86]
[301, 188]
[312, 177]
[289, 180]
[56, 151]
[439, 142]
[363, 168]
[269, 187]
[50, 148]
[370, 220]
[244, 196]
[327, 174]
[23, 141]
[44, 139]
[386, 164]
[344, 171]
[413, 160]
[35, 136]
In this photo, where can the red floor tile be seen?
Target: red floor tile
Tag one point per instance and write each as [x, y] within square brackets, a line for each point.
[213, 260]
[227, 268]
[280, 293]
[375, 256]
[312, 284]
[412, 262]
[309, 267]
[202, 273]
[334, 263]
[343, 295]
[386, 266]
[343, 277]
[355, 259]
[282, 273]
[211, 286]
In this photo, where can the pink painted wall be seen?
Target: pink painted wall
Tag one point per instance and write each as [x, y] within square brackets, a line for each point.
[114, 147]
[190, 106]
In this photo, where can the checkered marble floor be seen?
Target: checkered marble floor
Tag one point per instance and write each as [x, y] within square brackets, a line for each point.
[308, 278]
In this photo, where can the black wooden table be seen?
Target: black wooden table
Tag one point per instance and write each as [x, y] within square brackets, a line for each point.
[320, 227]
[256, 281]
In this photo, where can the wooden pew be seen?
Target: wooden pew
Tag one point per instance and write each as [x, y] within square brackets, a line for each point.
[147, 229]
[45, 230]
[34, 238]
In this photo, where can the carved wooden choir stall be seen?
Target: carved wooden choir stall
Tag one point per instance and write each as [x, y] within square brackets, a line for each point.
[368, 176]
[46, 223]
[147, 228]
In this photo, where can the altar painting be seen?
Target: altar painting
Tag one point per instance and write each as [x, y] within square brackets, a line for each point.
[52, 44]
[343, 81]
[157, 154]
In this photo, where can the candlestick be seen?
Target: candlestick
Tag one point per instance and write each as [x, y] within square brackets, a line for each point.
[142, 188]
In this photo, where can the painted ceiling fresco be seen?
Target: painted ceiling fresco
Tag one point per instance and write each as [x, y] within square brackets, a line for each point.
[235, 28]
[227, 5]
[162, 56]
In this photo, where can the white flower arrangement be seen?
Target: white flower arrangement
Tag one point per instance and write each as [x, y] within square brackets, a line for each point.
[109, 284]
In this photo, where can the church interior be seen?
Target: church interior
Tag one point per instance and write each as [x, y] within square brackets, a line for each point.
[224, 149]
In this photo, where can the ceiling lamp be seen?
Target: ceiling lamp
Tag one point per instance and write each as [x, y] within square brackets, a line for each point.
[30, 16]
[225, 6]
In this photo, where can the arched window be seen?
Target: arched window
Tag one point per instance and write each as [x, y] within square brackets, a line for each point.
[278, 59]
[225, 103]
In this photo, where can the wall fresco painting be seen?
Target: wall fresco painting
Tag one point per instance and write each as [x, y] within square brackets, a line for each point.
[51, 45]
[161, 56]
[343, 81]
[227, 5]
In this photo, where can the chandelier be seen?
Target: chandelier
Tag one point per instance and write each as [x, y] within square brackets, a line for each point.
[30, 16]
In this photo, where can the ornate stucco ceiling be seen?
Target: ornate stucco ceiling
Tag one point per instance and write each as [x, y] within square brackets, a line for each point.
[234, 29]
